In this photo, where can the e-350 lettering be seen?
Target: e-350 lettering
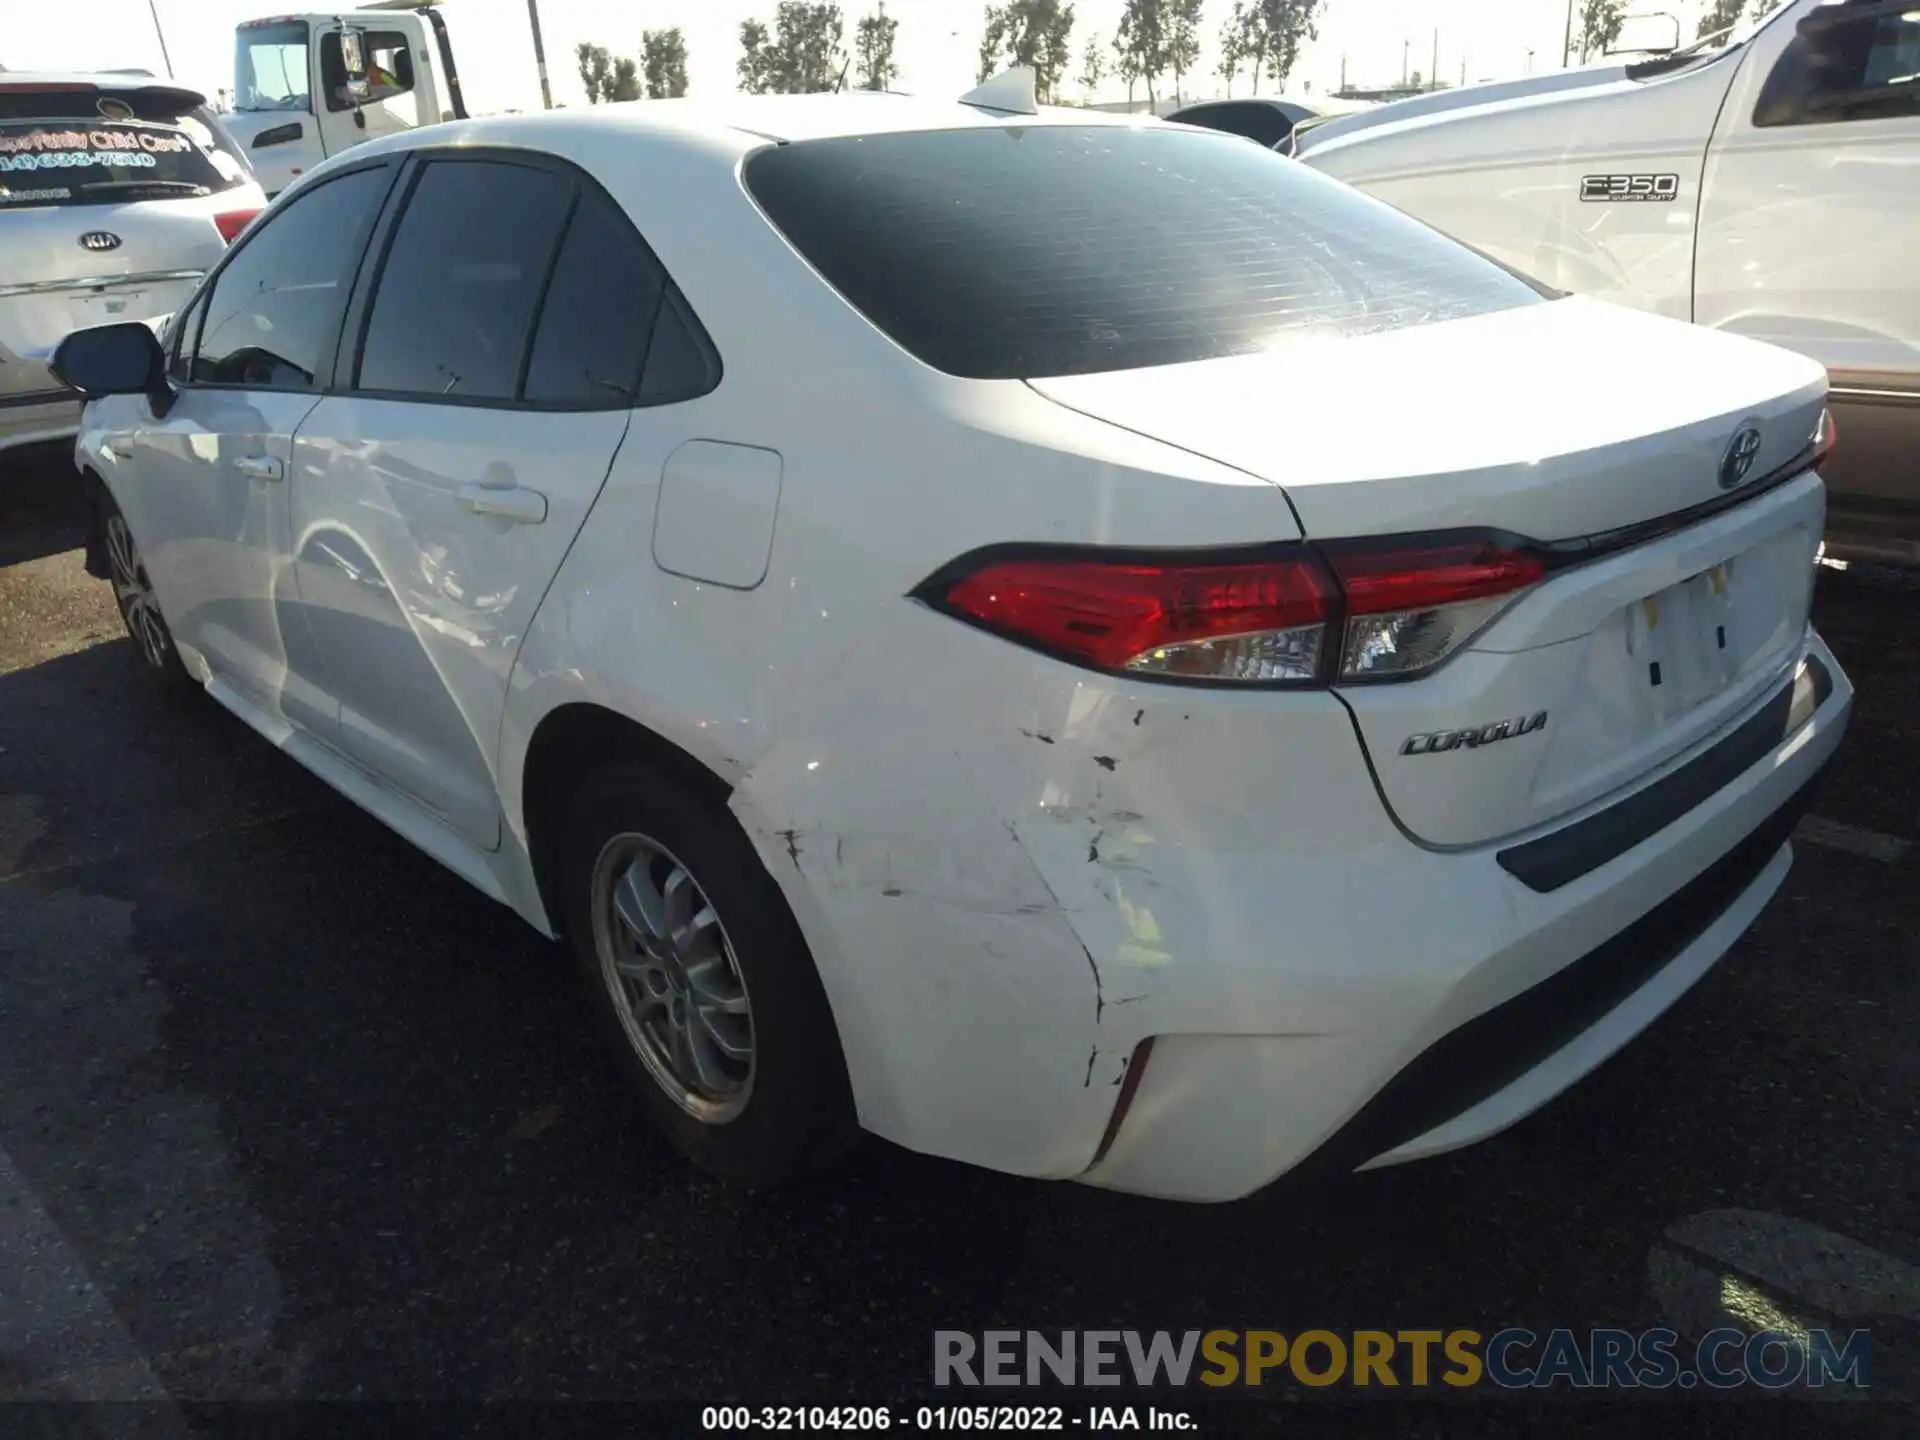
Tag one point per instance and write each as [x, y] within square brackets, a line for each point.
[1472, 738]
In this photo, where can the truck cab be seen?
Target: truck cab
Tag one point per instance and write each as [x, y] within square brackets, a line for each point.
[309, 86]
[1767, 183]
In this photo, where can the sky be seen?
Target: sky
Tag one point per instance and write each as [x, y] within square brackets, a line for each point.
[1377, 41]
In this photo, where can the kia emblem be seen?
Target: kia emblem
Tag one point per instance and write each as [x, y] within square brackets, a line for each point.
[99, 240]
[1742, 451]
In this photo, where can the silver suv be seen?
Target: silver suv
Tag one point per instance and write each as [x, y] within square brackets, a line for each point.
[117, 194]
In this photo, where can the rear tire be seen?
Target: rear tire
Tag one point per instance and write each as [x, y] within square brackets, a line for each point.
[700, 979]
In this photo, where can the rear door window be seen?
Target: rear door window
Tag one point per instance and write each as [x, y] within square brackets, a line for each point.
[453, 313]
[599, 312]
[83, 162]
[1029, 251]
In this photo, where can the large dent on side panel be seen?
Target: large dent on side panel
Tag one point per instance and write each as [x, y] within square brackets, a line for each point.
[977, 992]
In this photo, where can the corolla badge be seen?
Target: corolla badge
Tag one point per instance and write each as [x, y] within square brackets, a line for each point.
[99, 240]
[1742, 451]
[1437, 742]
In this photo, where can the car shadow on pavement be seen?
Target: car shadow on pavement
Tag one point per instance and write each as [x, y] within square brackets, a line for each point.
[42, 505]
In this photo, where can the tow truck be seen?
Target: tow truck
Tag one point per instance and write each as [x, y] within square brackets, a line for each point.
[1765, 180]
[307, 86]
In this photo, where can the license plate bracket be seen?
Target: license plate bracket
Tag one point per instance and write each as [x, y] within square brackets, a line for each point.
[1684, 639]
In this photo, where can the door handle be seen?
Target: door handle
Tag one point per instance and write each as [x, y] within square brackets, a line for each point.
[505, 502]
[260, 467]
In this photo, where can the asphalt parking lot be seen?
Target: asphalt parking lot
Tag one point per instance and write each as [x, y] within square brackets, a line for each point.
[286, 1111]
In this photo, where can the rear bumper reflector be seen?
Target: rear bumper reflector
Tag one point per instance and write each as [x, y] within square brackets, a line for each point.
[1498, 1046]
[1562, 857]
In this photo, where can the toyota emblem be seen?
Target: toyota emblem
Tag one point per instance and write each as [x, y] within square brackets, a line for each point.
[1742, 451]
[99, 240]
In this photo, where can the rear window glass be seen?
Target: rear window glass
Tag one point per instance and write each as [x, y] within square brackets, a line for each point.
[1009, 253]
[77, 162]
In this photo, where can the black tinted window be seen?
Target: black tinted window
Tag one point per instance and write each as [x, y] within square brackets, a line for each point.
[598, 313]
[681, 364]
[1846, 66]
[1265, 124]
[456, 297]
[275, 308]
[1056, 250]
[180, 338]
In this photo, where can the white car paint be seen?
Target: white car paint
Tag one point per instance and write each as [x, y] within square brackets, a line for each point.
[1804, 233]
[1012, 872]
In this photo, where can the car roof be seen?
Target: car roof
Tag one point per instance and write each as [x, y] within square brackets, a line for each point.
[740, 122]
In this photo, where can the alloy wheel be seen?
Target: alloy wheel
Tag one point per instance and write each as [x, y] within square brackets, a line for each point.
[139, 606]
[673, 977]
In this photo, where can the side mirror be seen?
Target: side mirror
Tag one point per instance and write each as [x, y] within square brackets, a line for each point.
[1654, 33]
[353, 55]
[123, 359]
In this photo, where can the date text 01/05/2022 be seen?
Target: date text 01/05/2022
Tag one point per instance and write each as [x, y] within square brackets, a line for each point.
[994, 1418]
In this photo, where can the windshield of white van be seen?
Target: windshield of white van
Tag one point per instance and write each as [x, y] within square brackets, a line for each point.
[270, 68]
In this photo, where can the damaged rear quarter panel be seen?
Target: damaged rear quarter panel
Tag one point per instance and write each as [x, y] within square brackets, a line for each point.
[1011, 871]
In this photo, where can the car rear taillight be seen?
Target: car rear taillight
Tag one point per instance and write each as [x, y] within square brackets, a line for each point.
[1260, 620]
[1409, 609]
[232, 222]
[1289, 615]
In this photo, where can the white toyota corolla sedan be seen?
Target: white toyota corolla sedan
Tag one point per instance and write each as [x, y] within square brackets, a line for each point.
[1070, 643]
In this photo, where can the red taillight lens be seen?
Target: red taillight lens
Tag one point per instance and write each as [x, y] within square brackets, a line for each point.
[233, 222]
[1394, 610]
[1261, 621]
[1410, 608]
[1382, 581]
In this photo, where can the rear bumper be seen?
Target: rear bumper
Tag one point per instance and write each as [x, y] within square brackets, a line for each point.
[38, 418]
[1446, 1048]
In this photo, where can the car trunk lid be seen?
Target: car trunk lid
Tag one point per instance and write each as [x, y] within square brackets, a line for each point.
[1673, 602]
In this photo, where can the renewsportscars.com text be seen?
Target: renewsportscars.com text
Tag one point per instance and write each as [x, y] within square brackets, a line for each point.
[1511, 1358]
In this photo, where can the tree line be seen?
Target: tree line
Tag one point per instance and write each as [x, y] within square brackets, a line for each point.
[659, 74]
[802, 48]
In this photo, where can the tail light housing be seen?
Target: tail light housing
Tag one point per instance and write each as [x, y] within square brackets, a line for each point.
[231, 222]
[1825, 436]
[1410, 608]
[1289, 615]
